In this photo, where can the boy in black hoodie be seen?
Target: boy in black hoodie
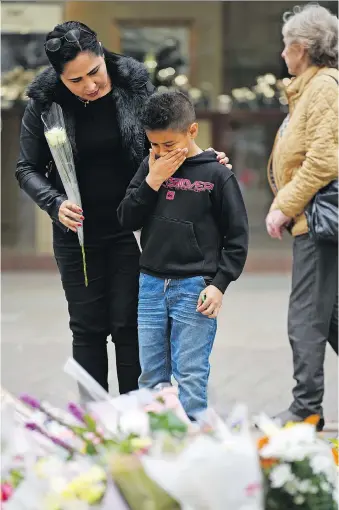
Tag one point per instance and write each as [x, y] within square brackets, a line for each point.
[194, 244]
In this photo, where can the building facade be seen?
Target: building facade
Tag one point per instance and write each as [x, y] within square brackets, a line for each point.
[226, 55]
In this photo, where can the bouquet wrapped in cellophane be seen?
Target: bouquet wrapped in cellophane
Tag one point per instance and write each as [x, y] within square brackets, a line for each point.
[60, 147]
[140, 452]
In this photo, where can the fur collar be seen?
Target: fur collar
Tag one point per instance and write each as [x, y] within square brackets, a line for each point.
[131, 87]
[125, 72]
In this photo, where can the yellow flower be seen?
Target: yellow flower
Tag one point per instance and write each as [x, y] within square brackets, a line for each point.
[87, 486]
[69, 493]
[313, 419]
[39, 468]
[138, 443]
[52, 502]
[89, 492]
[289, 424]
[97, 474]
[93, 493]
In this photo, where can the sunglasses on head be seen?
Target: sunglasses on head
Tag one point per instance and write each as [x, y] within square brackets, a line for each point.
[72, 36]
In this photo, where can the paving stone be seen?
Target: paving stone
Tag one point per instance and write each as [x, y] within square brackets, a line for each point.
[251, 360]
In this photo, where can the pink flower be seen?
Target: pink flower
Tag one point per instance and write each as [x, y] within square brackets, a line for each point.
[6, 491]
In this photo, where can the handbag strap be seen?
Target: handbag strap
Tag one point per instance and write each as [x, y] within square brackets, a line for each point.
[335, 79]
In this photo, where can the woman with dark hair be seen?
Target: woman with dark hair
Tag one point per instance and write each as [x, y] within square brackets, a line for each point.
[101, 95]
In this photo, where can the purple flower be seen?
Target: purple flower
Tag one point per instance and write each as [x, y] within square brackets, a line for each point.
[30, 401]
[77, 412]
[33, 426]
[61, 443]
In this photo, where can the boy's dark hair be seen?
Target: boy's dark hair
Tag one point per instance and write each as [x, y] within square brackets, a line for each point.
[168, 110]
[68, 51]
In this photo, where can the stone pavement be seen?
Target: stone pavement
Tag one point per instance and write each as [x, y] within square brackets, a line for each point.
[251, 361]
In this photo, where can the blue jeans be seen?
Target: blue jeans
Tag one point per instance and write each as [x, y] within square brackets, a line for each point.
[174, 338]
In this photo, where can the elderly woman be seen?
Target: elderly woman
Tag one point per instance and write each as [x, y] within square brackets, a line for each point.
[304, 160]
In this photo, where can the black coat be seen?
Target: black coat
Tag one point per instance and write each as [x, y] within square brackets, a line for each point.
[35, 171]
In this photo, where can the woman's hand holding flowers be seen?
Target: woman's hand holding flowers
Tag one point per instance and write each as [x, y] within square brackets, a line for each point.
[70, 215]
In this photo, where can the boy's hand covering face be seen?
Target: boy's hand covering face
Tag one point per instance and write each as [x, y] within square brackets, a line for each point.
[163, 168]
[210, 301]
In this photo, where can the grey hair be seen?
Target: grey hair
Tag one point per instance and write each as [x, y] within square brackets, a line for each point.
[317, 29]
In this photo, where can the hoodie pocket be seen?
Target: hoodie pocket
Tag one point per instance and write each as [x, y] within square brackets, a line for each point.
[170, 246]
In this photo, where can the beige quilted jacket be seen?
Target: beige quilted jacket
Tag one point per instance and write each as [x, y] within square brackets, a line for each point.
[305, 152]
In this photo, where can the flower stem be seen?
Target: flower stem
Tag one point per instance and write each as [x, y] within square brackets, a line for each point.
[84, 264]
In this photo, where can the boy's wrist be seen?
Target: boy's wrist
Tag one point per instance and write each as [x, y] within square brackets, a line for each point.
[153, 182]
[221, 282]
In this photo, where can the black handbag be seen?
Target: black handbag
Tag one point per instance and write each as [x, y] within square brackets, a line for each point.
[322, 214]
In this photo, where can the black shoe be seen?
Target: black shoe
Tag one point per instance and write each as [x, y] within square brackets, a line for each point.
[288, 416]
[320, 425]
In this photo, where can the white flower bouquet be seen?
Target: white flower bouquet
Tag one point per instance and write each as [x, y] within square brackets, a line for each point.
[140, 452]
[61, 150]
[299, 468]
[217, 468]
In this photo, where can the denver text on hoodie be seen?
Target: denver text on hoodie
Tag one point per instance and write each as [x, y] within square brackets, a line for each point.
[195, 225]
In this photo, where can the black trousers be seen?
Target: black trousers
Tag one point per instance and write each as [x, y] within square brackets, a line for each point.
[107, 307]
[312, 320]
